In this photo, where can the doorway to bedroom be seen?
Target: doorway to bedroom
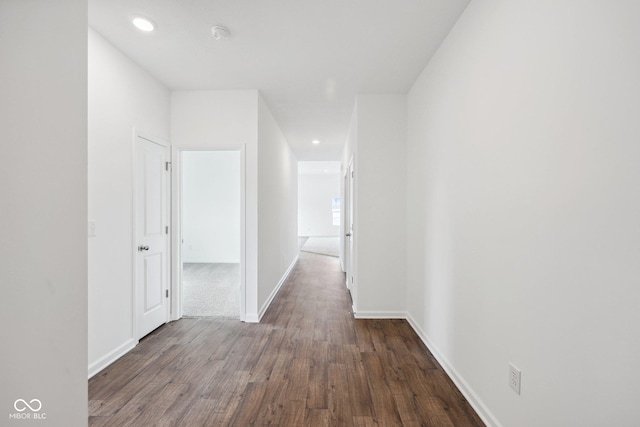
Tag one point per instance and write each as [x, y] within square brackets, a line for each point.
[319, 207]
[211, 233]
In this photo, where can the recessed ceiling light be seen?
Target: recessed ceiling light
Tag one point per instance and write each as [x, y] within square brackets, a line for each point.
[315, 141]
[144, 24]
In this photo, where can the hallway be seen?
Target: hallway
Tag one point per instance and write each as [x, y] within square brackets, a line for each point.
[307, 363]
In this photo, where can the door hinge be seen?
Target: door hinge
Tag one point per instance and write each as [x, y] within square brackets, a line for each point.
[351, 174]
[166, 293]
[167, 165]
[166, 229]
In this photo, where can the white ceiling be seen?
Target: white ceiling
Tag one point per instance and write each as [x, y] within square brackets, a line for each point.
[318, 168]
[308, 58]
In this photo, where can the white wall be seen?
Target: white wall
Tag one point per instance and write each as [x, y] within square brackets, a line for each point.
[226, 119]
[382, 127]
[122, 97]
[43, 218]
[223, 120]
[523, 209]
[211, 206]
[379, 147]
[277, 206]
[316, 190]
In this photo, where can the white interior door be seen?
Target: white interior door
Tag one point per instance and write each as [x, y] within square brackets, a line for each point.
[344, 226]
[349, 233]
[152, 220]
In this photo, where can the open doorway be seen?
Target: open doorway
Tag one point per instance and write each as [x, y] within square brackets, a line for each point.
[319, 207]
[211, 234]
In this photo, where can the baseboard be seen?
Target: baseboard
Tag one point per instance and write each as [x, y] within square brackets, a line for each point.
[379, 314]
[481, 409]
[252, 318]
[114, 355]
[214, 261]
[273, 294]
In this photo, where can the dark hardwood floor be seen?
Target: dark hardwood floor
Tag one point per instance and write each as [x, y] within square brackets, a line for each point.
[308, 363]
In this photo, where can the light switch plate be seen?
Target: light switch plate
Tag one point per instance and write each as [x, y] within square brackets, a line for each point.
[514, 378]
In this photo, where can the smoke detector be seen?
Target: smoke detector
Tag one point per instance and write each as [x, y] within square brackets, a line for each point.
[219, 32]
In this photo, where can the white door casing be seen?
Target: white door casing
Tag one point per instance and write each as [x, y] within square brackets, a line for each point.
[350, 236]
[151, 235]
[176, 219]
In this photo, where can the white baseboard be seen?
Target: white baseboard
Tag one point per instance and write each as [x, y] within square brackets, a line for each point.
[481, 409]
[379, 314]
[212, 261]
[111, 357]
[269, 300]
[252, 318]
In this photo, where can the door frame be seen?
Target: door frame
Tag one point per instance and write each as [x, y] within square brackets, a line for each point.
[343, 226]
[350, 241]
[176, 225]
[134, 270]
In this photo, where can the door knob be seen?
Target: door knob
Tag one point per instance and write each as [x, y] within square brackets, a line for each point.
[143, 248]
[348, 235]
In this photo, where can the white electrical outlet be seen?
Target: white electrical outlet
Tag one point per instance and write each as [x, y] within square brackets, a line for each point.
[92, 228]
[514, 378]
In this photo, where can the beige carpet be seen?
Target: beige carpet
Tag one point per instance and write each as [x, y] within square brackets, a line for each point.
[323, 245]
[211, 290]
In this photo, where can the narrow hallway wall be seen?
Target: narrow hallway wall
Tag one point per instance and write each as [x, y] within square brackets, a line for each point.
[523, 209]
[122, 97]
[43, 217]
[277, 207]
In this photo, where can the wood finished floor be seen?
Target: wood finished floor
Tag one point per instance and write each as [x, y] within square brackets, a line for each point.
[308, 363]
